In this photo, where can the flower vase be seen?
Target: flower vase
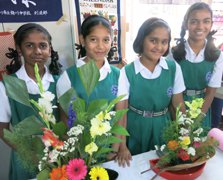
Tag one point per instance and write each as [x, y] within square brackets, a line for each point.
[183, 174]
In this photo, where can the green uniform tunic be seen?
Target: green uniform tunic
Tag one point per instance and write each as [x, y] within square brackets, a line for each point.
[20, 112]
[196, 77]
[148, 95]
[105, 89]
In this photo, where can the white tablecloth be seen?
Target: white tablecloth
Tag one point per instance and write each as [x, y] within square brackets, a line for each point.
[212, 171]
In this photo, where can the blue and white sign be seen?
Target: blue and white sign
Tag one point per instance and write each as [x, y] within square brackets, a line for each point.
[30, 10]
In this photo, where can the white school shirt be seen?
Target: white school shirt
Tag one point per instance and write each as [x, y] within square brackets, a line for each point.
[215, 81]
[64, 84]
[5, 110]
[124, 85]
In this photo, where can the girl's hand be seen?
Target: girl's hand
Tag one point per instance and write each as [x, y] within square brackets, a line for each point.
[123, 156]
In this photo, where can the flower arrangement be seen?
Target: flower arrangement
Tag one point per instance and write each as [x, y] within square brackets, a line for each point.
[64, 152]
[186, 142]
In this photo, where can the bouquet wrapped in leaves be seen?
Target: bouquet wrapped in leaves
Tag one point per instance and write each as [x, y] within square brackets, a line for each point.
[186, 142]
[75, 150]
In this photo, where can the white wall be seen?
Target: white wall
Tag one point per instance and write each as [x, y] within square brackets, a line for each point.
[63, 42]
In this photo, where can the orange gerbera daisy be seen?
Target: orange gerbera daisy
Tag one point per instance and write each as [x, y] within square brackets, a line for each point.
[59, 173]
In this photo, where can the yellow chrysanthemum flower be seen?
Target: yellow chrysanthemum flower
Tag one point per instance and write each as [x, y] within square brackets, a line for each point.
[185, 141]
[99, 127]
[108, 116]
[98, 173]
[90, 148]
[100, 116]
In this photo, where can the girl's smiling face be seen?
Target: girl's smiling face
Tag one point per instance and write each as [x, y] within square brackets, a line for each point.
[97, 43]
[199, 24]
[156, 44]
[35, 48]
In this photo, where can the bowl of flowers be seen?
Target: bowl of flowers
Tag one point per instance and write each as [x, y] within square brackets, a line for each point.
[54, 150]
[187, 146]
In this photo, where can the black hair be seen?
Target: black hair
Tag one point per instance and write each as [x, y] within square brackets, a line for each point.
[86, 28]
[146, 28]
[19, 37]
[211, 52]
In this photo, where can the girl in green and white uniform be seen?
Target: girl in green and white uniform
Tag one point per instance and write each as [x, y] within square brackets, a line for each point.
[151, 83]
[33, 42]
[96, 41]
[201, 62]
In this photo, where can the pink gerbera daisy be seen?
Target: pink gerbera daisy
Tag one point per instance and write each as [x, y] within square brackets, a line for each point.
[76, 169]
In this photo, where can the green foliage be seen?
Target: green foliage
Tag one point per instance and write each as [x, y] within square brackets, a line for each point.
[16, 89]
[65, 99]
[89, 74]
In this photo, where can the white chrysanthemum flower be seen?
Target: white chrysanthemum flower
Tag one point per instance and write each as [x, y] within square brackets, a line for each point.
[197, 139]
[75, 130]
[46, 105]
[163, 147]
[112, 113]
[48, 96]
[53, 155]
[99, 127]
[191, 151]
[181, 119]
[184, 131]
[188, 121]
[198, 131]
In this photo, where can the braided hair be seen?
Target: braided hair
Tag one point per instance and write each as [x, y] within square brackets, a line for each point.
[211, 52]
[19, 37]
[86, 28]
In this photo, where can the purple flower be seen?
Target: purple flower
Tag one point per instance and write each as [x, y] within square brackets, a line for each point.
[71, 115]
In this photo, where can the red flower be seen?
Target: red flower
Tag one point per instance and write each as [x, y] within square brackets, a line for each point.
[182, 154]
[50, 139]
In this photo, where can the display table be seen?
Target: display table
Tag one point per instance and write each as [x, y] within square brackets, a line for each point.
[139, 163]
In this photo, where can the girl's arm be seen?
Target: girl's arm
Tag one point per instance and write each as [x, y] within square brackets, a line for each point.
[177, 100]
[123, 156]
[209, 96]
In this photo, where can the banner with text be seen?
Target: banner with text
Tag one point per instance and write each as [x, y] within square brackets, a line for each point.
[30, 10]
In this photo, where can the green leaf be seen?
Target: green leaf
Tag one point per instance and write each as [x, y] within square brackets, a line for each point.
[43, 175]
[79, 105]
[59, 128]
[29, 126]
[8, 135]
[114, 102]
[96, 106]
[120, 130]
[16, 89]
[66, 98]
[89, 75]
[118, 115]
[104, 150]
[113, 139]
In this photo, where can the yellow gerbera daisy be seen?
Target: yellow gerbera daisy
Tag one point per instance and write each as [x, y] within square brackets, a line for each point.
[98, 173]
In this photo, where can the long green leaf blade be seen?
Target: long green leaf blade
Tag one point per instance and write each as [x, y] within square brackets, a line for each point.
[16, 89]
[89, 74]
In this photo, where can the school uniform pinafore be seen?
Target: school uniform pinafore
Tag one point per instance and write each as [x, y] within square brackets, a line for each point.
[153, 95]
